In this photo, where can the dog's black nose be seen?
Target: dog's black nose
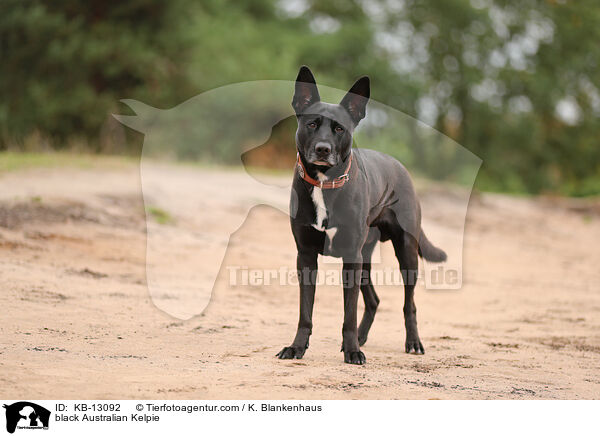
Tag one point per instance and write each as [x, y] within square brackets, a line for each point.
[322, 148]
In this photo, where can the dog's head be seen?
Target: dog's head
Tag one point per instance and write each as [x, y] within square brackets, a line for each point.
[324, 135]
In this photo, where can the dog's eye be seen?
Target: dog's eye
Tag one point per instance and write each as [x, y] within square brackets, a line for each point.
[339, 129]
[312, 125]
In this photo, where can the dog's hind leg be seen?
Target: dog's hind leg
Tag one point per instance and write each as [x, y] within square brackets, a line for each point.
[406, 248]
[368, 291]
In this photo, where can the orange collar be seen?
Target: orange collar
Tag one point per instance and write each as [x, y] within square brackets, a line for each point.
[338, 182]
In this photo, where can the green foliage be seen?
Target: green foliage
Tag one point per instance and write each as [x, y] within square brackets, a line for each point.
[65, 64]
[517, 83]
[161, 216]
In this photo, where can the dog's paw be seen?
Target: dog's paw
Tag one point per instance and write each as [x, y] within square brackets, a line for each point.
[291, 353]
[414, 347]
[355, 357]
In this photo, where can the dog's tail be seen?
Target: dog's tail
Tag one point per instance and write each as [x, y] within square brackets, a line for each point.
[430, 252]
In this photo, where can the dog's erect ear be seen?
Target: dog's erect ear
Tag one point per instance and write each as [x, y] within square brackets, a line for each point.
[357, 98]
[306, 90]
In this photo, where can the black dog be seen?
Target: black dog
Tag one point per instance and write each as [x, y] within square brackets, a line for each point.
[343, 202]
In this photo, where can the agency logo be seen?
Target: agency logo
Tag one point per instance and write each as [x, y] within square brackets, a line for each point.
[26, 415]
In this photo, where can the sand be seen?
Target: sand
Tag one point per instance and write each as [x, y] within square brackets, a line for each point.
[78, 320]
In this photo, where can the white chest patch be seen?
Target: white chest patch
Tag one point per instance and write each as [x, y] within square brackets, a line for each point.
[320, 209]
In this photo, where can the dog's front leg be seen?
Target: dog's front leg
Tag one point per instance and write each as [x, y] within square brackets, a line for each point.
[307, 278]
[351, 275]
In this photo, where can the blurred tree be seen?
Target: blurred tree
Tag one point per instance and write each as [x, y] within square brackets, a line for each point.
[517, 83]
[65, 64]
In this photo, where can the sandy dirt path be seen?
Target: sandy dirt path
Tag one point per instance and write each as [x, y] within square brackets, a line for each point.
[78, 322]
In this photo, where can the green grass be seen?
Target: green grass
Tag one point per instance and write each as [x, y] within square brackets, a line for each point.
[14, 161]
[161, 216]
